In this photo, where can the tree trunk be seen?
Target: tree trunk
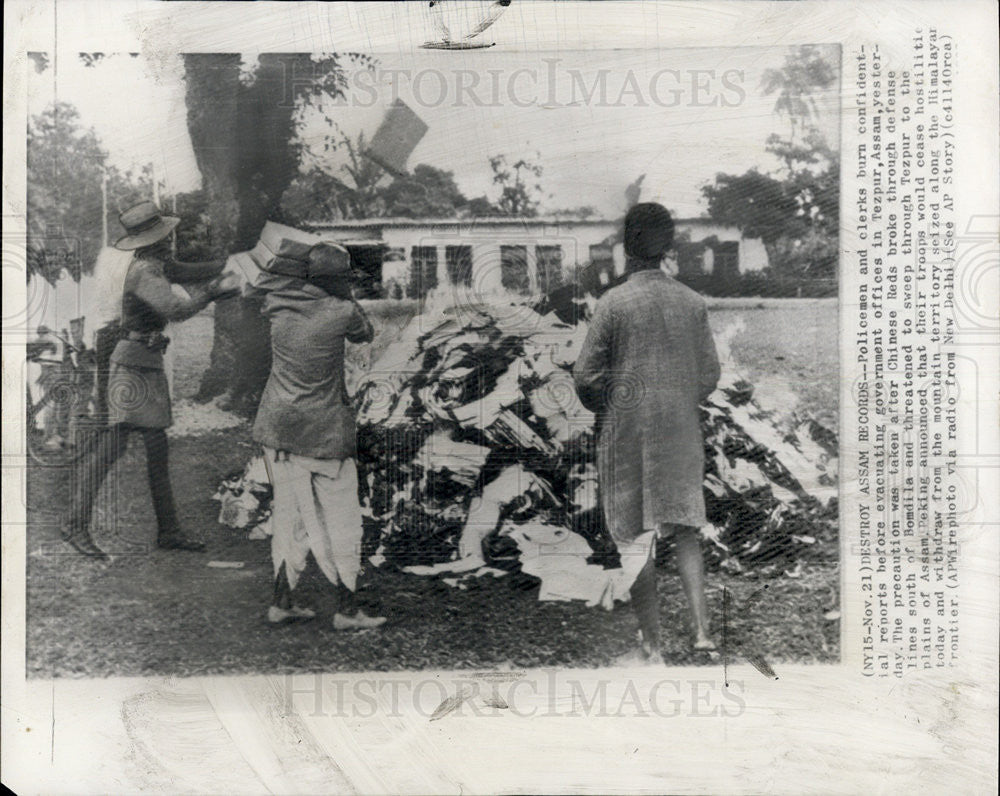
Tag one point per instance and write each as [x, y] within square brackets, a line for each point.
[243, 143]
[211, 95]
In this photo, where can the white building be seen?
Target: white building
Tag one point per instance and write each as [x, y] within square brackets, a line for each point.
[410, 257]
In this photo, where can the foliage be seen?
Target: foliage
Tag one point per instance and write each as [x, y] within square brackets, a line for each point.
[362, 200]
[520, 189]
[796, 211]
[813, 255]
[581, 213]
[805, 70]
[426, 193]
[39, 60]
[350, 192]
[313, 195]
[195, 235]
[353, 190]
[243, 127]
[482, 207]
[756, 203]
[66, 165]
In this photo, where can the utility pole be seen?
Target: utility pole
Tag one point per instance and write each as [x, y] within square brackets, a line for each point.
[173, 232]
[156, 185]
[104, 209]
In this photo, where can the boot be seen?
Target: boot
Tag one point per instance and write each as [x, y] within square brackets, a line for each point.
[82, 543]
[169, 536]
[177, 540]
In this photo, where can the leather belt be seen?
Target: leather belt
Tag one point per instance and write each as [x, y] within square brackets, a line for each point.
[155, 341]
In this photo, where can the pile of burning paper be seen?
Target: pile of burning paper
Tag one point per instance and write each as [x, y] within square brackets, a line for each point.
[473, 447]
[471, 423]
[246, 496]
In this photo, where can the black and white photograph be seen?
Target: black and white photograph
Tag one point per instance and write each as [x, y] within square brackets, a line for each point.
[494, 396]
[354, 361]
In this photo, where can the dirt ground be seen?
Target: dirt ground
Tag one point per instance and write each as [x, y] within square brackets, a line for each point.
[156, 612]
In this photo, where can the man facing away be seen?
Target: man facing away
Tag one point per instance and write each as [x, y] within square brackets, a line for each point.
[647, 363]
[306, 426]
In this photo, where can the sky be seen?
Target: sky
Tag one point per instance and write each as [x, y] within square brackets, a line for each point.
[594, 120]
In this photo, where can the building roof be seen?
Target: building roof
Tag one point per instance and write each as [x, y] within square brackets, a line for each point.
[486, 221]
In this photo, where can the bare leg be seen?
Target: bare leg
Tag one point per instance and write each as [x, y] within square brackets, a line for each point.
[646, 607]
[692, 569]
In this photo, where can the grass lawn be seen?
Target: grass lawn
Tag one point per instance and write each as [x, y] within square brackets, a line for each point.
[789, 353]
[156, 612]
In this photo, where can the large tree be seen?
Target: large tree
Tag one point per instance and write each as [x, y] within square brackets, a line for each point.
[794, 211]
[426, 193]
[795, 215]
[806, 70]
[243, 126]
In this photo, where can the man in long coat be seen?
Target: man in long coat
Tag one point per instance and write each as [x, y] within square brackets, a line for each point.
[647, 363]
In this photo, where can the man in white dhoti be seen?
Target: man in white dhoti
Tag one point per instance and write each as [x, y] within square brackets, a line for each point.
[315, 510]
[306, 425]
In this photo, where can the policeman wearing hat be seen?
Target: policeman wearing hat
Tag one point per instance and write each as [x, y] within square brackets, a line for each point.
[138, 393]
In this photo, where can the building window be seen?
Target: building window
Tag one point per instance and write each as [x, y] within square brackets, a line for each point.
[514, 269]
[366, 260]
[602, 266]
[458, 263]
[726, 263]
[549, 262]
[423, 271]
[601, 255]
[690, 259]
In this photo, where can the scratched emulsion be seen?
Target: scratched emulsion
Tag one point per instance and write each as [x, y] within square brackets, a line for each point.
[745, 644]
[177, 743]
[224, 736]
[663, 730]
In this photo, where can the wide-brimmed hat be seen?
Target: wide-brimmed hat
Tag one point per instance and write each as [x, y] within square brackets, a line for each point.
[144, 225]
